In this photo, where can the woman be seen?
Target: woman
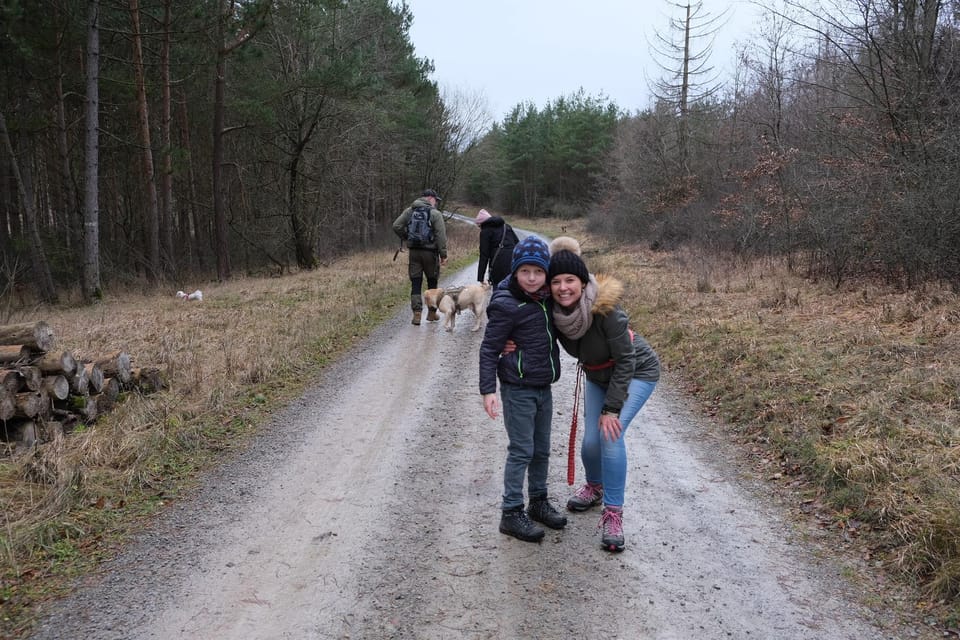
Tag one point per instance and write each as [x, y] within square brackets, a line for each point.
[621, 371]
[497, 240]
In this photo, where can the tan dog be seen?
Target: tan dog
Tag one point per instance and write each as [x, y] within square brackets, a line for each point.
[473, 297]
[449, 310]
[432, 297]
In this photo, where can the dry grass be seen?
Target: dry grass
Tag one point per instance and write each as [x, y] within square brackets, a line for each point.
[247, 349]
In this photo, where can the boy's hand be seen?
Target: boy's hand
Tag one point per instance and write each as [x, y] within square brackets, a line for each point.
[491, 405]
[509, 347]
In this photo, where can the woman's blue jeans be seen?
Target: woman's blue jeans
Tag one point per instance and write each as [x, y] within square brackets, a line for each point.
[605, 462]
[527, 412]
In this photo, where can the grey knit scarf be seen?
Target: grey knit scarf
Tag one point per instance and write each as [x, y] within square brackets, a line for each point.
[575, 321]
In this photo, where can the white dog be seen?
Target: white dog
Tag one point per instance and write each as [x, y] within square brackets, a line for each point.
[473, 297]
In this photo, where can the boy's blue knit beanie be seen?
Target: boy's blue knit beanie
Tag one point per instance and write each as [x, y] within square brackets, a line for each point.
[531, 250]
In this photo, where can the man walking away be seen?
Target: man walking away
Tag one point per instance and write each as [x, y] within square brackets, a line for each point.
[422, 227]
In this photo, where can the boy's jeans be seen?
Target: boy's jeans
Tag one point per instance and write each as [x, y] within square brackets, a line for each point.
[527, 412]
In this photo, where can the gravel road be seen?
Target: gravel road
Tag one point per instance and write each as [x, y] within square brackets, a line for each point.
[369, 509]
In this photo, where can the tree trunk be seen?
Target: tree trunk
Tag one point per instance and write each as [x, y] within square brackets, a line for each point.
[683, 123]
[56, 387]
[14, 353]
[32, 377]
[189, 235]
[107, 398]
[80, 382]
[91, 166]
[43, 281]
[10, 380]
[222, 244]
[29, 404]
[34, 335]
[225, 11]
[70, 204]
[85, 406]
[166, 171]
[111, 389]
[94, 376]
[52, 363]
[116, 365]
[152, 226]
[8, 404]
[147, 379]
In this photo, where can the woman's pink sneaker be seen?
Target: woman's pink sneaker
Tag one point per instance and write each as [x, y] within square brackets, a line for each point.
[589, 495]
[612, 524]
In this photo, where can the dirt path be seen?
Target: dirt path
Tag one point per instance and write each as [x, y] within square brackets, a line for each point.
[369, 509]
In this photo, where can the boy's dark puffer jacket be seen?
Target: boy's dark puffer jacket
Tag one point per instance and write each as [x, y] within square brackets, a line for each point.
[514, 315]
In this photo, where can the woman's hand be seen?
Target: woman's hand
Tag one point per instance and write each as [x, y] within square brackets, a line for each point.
[491, 405]
[610, 427]
[509, 347]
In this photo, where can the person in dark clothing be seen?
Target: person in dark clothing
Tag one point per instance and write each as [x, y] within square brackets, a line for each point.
[520, 311]
[497, 240]
[425, 258]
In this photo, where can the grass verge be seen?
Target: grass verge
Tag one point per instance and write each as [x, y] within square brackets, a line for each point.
[847, 399]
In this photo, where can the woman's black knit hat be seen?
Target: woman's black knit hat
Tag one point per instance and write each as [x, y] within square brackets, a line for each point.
[567, 262]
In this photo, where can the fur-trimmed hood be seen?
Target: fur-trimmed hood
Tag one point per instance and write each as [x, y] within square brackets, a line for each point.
[609, 294]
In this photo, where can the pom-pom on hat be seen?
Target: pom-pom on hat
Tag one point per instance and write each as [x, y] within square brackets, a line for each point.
[482, 216]
[566, 261]
[530, 250]
[565, 242]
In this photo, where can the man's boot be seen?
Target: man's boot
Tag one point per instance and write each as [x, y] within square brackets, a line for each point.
[515, 522]
[416, 304]
[540, 510]
[433, 316]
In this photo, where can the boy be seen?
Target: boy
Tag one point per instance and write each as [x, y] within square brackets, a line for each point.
[520, 311]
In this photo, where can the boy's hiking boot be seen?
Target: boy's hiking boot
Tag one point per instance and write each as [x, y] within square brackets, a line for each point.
[589, 495]
[433, 316]
[416, 317]
[612, 524]
[540, 510]
[514, 522]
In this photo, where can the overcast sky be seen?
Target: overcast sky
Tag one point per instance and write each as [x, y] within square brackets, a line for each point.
[513, 51]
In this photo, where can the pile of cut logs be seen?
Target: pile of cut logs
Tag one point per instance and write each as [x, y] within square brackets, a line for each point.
[45, 392]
